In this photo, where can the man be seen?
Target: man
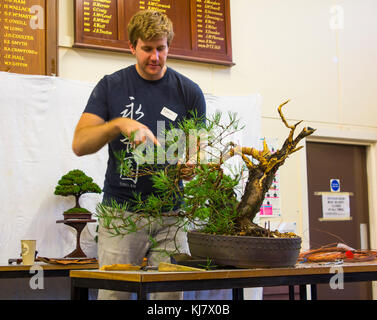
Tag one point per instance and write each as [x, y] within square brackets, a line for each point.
[131, 102]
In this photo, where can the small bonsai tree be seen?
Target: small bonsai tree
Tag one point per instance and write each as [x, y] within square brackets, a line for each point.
[76, 183]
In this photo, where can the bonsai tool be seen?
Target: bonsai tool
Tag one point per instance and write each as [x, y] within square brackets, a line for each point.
[162, 267]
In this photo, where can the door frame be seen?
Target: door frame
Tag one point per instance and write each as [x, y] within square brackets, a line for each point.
[364, 138]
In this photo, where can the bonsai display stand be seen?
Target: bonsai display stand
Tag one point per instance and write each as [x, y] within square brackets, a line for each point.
[79, 225]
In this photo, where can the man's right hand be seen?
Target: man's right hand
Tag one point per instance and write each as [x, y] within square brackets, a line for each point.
[92, 133]
[129, 126]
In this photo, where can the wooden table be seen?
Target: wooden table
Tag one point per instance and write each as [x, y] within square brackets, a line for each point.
[49, 270]
[16, 280]
[143, 282]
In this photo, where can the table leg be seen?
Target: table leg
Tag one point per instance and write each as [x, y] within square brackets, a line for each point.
[291, 292]
[78, 293]
[141, 294]
[313, 290]
[237, 293]
[303, 292]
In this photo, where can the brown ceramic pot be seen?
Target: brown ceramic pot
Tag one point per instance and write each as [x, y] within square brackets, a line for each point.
[77, 215]
[243, 251]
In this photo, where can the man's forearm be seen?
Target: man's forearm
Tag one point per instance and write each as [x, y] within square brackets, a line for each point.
[90, 139]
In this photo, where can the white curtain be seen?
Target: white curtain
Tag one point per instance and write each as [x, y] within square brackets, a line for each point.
[38, 115]
[37, 119]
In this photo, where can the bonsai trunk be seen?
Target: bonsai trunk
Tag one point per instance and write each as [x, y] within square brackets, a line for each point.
[77, 197]
[252, 199]
[261, 176]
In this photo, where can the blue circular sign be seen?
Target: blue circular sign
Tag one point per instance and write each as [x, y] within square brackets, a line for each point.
[335, 185]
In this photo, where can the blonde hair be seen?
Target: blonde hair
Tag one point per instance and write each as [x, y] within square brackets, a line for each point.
[148, 25]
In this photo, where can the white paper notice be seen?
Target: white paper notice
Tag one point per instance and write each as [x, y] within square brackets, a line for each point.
[336, 206]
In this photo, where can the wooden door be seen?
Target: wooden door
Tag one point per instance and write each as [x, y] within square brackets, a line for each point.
[326, 161]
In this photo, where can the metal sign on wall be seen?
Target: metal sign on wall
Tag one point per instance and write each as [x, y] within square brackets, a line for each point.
[201, 27]
[28, 36]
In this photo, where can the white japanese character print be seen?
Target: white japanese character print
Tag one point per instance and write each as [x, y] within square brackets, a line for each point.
[129, 112]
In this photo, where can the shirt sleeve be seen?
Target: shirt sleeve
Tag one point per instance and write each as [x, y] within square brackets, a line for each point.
[198, 103]
[98, 102]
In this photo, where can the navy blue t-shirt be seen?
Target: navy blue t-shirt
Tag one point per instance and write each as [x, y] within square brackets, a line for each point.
[126, 94]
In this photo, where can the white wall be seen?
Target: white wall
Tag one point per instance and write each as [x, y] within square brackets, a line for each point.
[282, 50]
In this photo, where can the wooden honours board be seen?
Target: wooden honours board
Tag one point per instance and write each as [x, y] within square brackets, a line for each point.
[28, 36]
[201, 27]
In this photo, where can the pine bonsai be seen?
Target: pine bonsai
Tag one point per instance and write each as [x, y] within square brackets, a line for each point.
[211, 200]
[76, 183]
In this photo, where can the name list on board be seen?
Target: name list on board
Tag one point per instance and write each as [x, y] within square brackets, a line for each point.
[22, 36]
[201, 27]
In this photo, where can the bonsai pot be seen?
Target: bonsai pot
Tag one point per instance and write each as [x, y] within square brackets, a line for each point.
[244, 251]
[77, 215]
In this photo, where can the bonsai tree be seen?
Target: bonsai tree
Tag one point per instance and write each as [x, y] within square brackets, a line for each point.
[76, 183]
[211, 200]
